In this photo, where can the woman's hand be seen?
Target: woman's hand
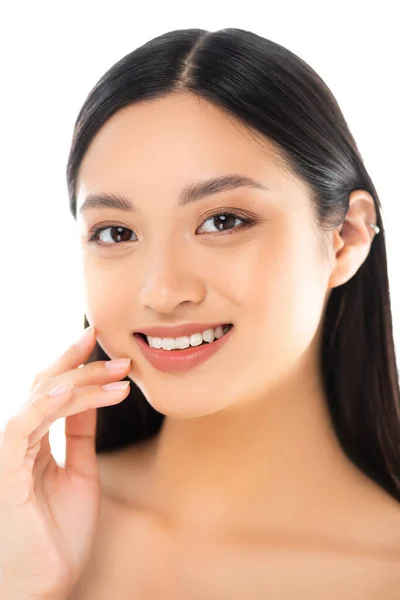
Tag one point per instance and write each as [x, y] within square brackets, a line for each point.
[49, 513]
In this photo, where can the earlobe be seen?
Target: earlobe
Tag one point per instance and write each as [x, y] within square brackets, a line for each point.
[343, 268]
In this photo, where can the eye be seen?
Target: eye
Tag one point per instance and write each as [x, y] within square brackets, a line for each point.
[224, 222]
[227, 220]
[120, 237]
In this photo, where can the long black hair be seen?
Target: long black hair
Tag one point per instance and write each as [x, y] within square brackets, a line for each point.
[273, 91]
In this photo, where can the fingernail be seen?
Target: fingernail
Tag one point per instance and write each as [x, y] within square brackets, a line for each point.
[115, 385]
[118, 363]
[85, 336]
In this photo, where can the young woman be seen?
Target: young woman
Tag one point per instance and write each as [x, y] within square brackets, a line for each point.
[234, 254]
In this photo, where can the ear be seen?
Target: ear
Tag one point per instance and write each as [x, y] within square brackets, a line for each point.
[352, 240]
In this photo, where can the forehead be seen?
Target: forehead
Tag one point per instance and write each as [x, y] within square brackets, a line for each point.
[172, 141]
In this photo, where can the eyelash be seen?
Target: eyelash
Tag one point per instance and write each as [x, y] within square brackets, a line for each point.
[95, 231]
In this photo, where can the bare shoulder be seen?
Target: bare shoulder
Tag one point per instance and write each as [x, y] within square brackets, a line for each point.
[378, 511]
[133, 550]
[388, 521]
[384, 508]
[379, 534]
[368, 513]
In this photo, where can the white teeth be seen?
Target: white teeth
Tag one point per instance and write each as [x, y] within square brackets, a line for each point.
[196, 339]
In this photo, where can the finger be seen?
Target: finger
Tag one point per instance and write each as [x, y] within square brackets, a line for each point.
[40, 431]
[91, 374]
[72, 358]
[80, 433]
[81, 399]
[15, 439]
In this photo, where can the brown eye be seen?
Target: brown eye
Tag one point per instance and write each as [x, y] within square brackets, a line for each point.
[225, 221]
[118, 235]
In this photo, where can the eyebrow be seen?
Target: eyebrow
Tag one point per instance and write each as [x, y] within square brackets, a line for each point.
[190, 193]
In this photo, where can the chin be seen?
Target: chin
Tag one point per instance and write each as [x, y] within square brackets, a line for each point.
[178, 405]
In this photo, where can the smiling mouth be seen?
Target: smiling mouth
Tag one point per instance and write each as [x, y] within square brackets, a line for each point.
[226, 329]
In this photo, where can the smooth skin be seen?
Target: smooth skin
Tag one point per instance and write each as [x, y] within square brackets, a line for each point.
[247, 449]
[272, 280]
[260, 400]
[48, 512]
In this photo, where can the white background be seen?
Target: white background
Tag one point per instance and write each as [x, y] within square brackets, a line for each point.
[52, 53]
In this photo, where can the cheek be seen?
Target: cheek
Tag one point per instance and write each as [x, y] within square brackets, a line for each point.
[106, 297]
[281, 293]
[106, 306]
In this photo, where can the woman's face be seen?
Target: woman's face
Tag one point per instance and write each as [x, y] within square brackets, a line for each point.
[178, 264]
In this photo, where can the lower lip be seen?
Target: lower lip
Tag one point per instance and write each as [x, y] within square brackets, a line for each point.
[174, 361]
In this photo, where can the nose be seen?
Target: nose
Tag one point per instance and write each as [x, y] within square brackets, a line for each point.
[170, 279]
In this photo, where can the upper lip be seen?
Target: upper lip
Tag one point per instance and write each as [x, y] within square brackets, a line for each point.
[178, 330]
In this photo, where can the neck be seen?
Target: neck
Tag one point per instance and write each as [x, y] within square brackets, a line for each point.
[259, 464]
